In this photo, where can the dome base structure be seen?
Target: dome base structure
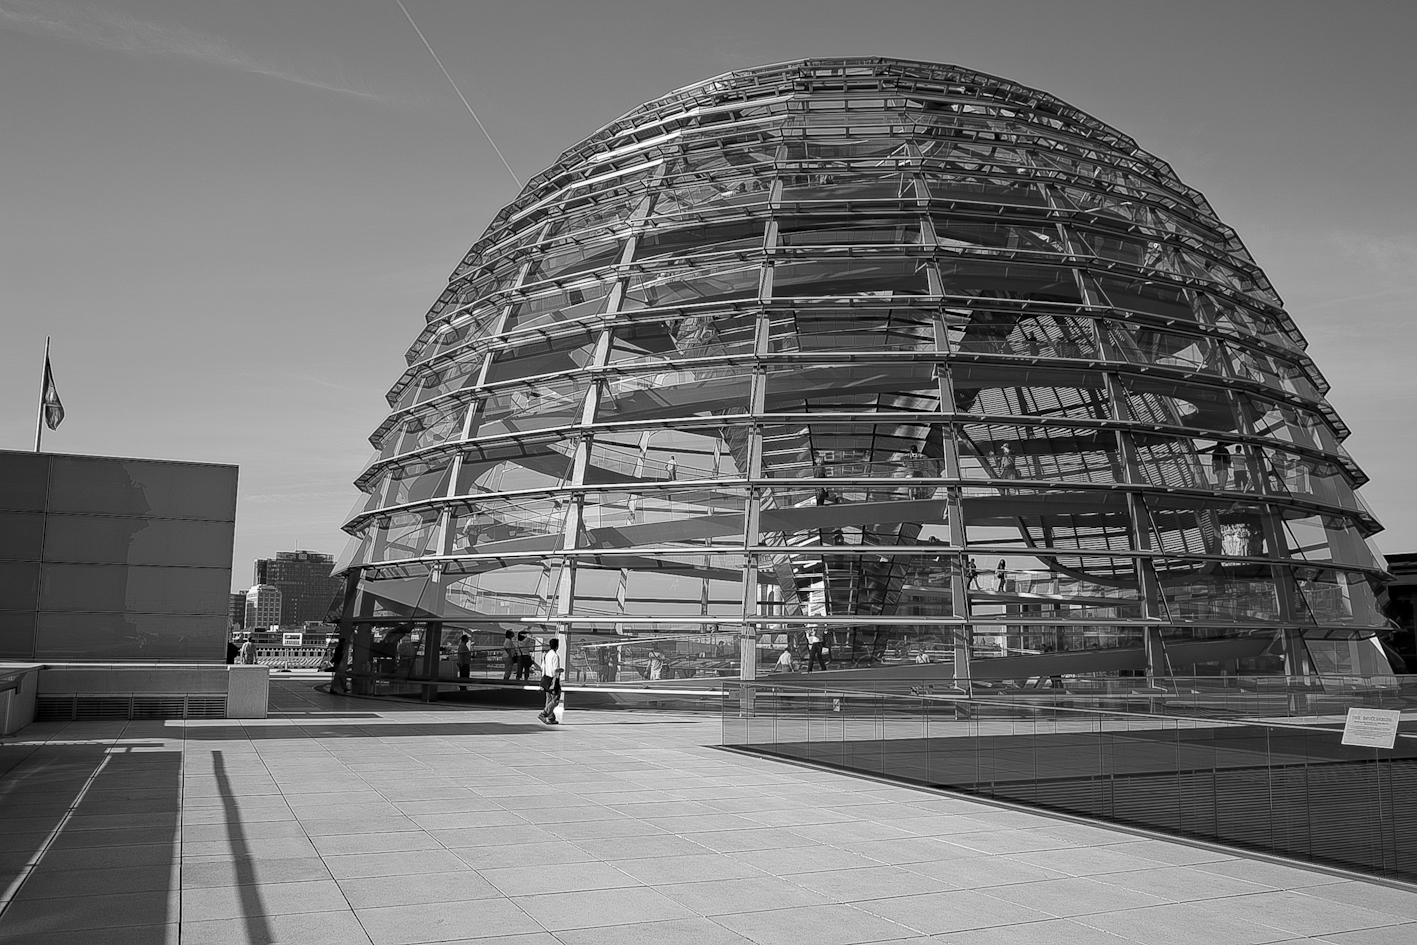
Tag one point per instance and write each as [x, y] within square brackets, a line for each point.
[904, 369]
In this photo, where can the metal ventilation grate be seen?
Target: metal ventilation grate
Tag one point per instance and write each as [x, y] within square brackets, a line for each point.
[206, 707]
[103, 707]
[65, 708]
[53, 708]
[159, 707]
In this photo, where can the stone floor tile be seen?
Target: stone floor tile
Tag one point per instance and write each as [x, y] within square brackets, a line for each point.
[154, 854]
[1182, 883]
[315, 825]
[601, 829]
[1299, 914]
[1085, 861]
[575, 877]
[229, 871]
[675, 931]
[1174, 854]
[744, 841]
[356, 865]
[1049, 932]
[238, 844]
[954, 911]
[447, 820]
[1391, 935]
[230, 902]
[402, 842]
[307, 928]
[579, 910]
[1379, 898]
[728, 896]
[699, 823]
[1268, 873]
[690, 868]
[1009, 841]
[58, 884]
[1183, 924]
[902, 851]
[1073, 896]
[546, 853]
[457, 886]
[80, 911]
[871, 882]
[221, 831]
[816, 925]
[634, 848]
[169, 934]
[804, 860]
[445, 921]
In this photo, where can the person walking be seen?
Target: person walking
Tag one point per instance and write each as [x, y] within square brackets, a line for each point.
[526, 645]
[1220, 465]
[814, 649]
[337, 679]
[551, 681]
[248, 651]
[464, 659]
[406, 650]
[511, 658]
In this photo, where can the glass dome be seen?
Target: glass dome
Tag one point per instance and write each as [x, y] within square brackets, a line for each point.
[919, 360]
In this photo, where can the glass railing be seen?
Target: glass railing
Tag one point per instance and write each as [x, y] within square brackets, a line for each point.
[1287, 789]
[1314, 700]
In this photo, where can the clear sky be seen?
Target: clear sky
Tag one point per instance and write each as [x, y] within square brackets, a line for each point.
[232, 215]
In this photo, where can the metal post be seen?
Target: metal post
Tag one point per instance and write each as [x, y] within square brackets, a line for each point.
[432, 653]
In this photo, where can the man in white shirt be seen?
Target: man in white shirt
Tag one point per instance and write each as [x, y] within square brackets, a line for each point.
[551, 680]
[814, 649]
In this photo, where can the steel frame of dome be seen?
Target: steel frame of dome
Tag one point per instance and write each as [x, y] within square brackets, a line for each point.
[917, 357]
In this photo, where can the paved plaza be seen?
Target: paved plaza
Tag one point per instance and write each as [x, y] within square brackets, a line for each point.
[354, 821]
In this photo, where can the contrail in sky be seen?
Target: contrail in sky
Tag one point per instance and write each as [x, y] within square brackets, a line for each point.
[106, 29]
[485, 133]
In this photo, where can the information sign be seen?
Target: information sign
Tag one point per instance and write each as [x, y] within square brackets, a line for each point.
[1371, 728]
[292, 639]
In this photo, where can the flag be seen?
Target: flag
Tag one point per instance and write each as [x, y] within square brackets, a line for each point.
[49, 400]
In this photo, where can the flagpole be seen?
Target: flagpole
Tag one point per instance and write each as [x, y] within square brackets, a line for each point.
[39, 421]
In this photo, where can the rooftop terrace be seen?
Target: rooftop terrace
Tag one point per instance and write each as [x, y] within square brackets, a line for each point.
[352, 821]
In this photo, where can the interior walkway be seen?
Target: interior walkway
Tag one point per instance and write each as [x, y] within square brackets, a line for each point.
[351, 821]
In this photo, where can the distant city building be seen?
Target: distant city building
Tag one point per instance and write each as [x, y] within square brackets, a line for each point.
[263, 606]
[1400, 596]
[305, 584]
[236, 614]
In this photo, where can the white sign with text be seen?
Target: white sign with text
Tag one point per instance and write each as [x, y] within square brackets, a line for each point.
[1371, 728]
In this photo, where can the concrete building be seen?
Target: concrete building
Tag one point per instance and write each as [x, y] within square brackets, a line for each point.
[114, 559]
[236, 615]
[305, 583]
[263, 604]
